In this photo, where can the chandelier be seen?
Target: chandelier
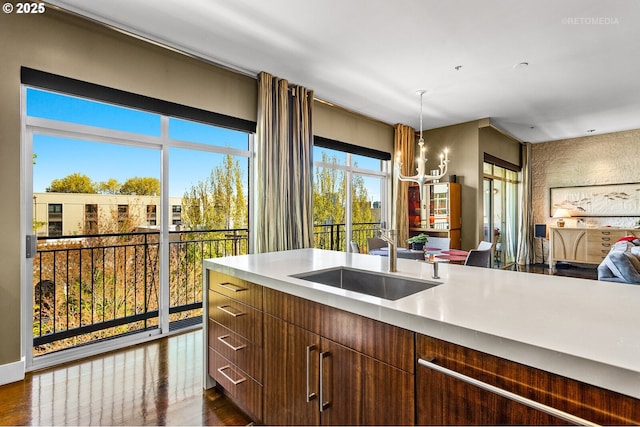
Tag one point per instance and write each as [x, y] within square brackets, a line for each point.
[422, 177]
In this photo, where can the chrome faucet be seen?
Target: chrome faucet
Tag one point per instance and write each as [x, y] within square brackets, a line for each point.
[390, 236]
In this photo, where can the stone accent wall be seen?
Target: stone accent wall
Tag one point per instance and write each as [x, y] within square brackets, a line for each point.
[612, 158]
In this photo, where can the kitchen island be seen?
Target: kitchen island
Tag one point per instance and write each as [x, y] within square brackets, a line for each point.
[583, 330]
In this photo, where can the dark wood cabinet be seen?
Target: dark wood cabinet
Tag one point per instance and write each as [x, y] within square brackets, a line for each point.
[234, 339]
[310, 379]
[446, 398]
[286, 360]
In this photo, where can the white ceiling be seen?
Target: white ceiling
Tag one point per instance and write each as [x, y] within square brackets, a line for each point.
[371, 56]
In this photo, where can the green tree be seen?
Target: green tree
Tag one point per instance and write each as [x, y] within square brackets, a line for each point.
[329, 196]
[219, 201]
[74, 183]
[142, 186]
[329, 201]
[110, 186]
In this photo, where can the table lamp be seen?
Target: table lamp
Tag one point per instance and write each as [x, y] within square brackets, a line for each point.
[560, 214]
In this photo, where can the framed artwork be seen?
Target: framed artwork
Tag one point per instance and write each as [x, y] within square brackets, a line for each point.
[597, 200]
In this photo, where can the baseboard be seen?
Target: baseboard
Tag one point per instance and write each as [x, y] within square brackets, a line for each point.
[12, 372]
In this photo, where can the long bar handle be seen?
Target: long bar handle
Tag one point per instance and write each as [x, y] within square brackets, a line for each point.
[507, 394]
[310, 395]
[235, 382]
[223, 338]
[323, 405]
[225, 309]
[232, 287]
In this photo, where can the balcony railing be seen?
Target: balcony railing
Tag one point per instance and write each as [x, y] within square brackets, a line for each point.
[332, 236]
[93, 287]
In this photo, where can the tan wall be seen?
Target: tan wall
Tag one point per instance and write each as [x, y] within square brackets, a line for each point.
[499, 145]
[342, 125]
[611, 158]
[464, 151]
[57, 43]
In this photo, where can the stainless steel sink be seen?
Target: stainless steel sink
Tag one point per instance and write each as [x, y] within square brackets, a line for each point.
[366, 282]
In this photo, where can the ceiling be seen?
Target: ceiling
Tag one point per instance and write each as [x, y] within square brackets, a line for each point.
[372, 56]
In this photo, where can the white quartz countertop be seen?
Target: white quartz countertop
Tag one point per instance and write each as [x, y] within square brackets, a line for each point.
[583, 329]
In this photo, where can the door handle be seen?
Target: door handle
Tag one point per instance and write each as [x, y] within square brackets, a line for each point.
[323, 405]
[310, 395]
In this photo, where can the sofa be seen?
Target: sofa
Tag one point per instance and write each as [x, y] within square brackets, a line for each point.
[622, 263]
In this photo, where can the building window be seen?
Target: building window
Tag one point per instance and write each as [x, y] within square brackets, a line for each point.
[151, 215]
[55, 219]
[91, 218]
[176, 214]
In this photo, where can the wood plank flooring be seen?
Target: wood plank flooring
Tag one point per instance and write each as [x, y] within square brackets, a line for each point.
[158, 383]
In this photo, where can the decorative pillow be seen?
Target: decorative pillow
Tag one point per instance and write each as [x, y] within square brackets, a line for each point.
[635, 251]
[621, 246]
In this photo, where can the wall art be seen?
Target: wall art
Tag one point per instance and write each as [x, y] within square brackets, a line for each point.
[597, 200]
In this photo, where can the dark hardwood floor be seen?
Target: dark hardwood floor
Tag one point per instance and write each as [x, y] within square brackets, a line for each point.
[158, 383]
[563, 269]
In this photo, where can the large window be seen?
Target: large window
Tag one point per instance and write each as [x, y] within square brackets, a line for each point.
[129, 203]
[350, 195]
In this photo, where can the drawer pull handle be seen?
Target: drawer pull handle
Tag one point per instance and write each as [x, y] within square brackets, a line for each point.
[223, 340]
[235, 382]
[232, 287]
[606, 233]
[226, 309]
[606, 239]
[606, 245]
[507, 394]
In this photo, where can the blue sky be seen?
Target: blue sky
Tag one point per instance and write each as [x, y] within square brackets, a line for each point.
[58, 157]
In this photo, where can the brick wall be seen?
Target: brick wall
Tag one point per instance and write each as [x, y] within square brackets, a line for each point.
[611, 158]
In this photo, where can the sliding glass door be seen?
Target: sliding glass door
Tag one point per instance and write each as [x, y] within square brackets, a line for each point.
[501, 213]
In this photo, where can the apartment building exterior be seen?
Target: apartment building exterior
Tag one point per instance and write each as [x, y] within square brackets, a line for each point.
[67, 214]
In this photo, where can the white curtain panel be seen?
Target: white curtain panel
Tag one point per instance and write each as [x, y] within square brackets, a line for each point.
[284, 138]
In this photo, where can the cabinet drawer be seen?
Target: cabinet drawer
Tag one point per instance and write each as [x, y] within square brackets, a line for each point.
[238, 289]
[238, 350]
[604, 236]
[239, 318]
[244, 391]
[292, 309]
[387, 343]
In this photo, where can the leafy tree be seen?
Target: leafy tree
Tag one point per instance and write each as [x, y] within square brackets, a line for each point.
[217, 202]
[74, 183]
[142, 186]
[110, 186]
[329, 201]
[329, 196]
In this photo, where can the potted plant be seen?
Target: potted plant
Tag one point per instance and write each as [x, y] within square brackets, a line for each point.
[417, 242]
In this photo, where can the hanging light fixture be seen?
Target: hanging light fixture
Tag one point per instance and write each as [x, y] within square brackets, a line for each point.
[422, 177]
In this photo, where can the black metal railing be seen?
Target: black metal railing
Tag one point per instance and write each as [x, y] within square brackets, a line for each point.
[332, 236]
[92, 287]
